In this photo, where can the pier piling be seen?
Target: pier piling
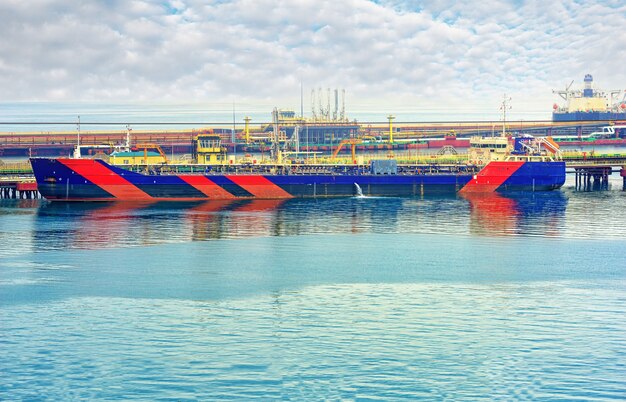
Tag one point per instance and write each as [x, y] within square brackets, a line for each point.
[19, 190]
[593, 178]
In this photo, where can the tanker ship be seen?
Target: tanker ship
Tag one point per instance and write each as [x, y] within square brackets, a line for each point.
[143, 173]
[589, 104]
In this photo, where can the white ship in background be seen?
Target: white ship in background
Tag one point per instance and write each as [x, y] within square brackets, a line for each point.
[590, 104]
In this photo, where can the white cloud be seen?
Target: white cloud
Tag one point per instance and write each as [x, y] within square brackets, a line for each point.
[446, 53]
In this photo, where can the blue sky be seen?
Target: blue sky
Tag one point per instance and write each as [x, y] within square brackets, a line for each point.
[389, 55]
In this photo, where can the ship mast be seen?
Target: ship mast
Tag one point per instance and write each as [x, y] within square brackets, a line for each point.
[128, 137]
[77, 154]
[275, 141]
[233, 136]
[504, 107]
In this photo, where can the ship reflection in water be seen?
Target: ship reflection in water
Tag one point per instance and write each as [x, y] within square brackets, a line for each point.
[529, 213]
[106, 225]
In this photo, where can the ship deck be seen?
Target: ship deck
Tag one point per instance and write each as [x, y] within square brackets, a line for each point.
[299, 169]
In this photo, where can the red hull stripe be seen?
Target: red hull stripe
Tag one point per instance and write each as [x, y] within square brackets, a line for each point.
[207, 187]
[259, 186]
[491, 177]
[105, 178]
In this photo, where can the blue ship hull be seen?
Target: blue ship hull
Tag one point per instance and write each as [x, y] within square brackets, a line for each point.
[588, 116]
[87, 179]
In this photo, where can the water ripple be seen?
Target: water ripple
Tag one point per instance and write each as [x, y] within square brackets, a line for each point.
[565, 214]
[356, 341]
[478, 298]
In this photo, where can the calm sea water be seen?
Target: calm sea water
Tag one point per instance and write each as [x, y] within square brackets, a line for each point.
[506, 298]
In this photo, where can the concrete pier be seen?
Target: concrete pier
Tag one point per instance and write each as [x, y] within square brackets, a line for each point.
[593, 178]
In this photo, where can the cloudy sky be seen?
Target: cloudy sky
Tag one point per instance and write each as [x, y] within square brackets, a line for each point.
[440, 54]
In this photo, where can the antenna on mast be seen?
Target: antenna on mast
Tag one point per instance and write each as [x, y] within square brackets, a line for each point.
[128, 129]
[234, 135]
[77, 150]
[276, 156]
[504, 107]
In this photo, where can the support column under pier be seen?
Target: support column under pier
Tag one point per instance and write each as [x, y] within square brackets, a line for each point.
[8, 192]
[19, 191]
[594, 178]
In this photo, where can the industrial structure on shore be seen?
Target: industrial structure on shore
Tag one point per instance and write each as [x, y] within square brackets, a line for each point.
[311, 136]
[590, 117]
